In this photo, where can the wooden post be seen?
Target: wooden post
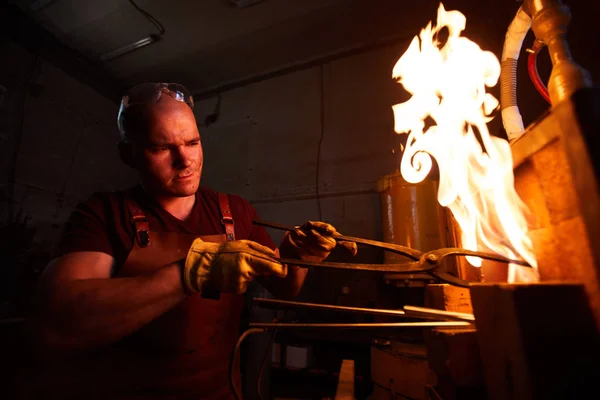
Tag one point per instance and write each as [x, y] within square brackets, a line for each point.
[537, 341]
[556, 175]
[448, 298]
[345, 388]
[453, 354]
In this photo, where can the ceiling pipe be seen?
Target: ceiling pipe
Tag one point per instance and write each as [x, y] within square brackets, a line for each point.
[245, 3]
[302, 65]
[39, 5]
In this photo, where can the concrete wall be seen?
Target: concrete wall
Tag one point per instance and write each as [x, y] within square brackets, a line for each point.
[58, 143]
[271, 132]
[265, 143]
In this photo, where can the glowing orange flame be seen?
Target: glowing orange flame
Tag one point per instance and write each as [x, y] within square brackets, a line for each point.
[448, 84]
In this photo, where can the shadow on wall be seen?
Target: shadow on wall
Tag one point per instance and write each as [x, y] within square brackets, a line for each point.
[58, 145]
[20, 267]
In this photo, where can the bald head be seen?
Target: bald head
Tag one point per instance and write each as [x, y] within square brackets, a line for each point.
[138, 120]
[161, 140]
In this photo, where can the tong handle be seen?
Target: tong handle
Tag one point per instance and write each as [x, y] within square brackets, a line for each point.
[394, 248]
[405, 268]
[432, 257]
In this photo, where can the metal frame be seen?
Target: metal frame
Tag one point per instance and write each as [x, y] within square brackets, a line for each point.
[444, 319]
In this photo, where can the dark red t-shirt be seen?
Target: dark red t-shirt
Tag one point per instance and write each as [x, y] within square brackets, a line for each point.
[103, 223]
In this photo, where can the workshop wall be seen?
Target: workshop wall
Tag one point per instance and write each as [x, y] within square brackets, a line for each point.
[265, 142]
[58, 143]
[264, 145]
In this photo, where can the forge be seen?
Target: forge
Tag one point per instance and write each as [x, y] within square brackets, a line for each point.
[533, 197]
[554, 171]
[477, 274]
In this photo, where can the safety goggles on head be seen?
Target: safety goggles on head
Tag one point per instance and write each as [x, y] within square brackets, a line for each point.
[151, 92]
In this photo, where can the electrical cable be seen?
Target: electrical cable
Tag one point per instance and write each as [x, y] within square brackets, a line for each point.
[264, 362]
[234, 356]
[322, 122]
[393, 393]
[534, 74]
[150, 17]
[12, 175]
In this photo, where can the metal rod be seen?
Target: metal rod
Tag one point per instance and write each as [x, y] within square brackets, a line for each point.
[405, 268]
[395, 248]
[272, 325]
[423, 312]
[296, 304]
[439, 254]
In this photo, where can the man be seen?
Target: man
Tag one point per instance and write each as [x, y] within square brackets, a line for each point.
[145, 293]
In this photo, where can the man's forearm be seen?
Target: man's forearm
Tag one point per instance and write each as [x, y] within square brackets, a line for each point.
[288, 287]
[295, 279]
[86, 313]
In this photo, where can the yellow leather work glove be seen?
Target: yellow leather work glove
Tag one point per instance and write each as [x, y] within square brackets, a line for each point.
[312, 241]
[227, 267]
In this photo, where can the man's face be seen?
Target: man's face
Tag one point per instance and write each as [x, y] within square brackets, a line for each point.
[168, 154]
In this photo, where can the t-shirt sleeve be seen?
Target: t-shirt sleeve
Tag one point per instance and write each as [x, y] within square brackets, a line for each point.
[86, 229]
[259, 234]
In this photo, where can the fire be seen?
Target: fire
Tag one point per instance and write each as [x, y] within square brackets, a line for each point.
[448, 84]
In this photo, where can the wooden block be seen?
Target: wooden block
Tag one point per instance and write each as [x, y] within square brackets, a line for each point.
[453, 355]
[561, 258]
[558, 181]
[345, 388]
[400, 374]
[401, 348]
[380, 393]
[449, 298]
[554, 175]
[530, 191]
[537, 341]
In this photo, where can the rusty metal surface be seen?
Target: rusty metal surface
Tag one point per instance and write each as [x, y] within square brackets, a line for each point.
[411, 214]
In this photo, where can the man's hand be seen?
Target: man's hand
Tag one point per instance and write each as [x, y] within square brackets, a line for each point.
[228, 267]
[313, 241]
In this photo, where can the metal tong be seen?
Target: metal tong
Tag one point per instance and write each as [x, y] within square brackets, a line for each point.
[428, 262]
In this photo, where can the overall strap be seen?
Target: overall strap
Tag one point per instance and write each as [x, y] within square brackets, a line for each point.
[226, 217]
[139, 222]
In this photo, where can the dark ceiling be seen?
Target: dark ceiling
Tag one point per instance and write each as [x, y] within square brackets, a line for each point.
[212, 45]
